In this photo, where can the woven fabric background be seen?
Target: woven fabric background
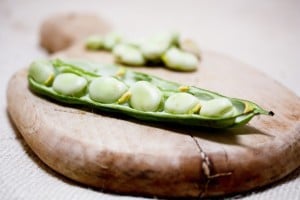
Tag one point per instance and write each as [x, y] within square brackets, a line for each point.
[264, 34]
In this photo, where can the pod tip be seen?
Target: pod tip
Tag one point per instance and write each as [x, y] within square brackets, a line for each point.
[271, 113]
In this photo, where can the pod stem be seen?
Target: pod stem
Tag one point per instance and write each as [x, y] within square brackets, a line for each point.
[271, 113]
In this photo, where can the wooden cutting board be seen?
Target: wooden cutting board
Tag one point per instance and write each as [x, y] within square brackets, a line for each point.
[122, 155]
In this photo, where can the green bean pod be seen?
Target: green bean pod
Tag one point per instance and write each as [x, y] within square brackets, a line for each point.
[140, 95]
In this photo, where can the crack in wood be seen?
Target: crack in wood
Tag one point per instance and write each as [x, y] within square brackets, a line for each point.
[206, 168]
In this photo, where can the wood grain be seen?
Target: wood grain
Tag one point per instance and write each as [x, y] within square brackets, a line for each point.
[122, 155]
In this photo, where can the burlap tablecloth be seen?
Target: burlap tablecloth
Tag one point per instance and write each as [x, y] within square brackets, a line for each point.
[264, 34]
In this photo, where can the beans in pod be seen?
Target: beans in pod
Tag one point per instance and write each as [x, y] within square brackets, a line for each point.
[115, 89]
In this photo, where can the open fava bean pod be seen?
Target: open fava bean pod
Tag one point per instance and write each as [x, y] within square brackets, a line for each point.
[114, 88]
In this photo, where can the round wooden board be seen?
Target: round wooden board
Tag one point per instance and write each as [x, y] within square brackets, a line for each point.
[123, 155]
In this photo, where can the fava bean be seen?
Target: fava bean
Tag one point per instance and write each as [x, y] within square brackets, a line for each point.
[95, 42]
[154, 47]
[111, 40]
[153, 51]
[69, 84]
[128, 54]
[182, 103]
[42, 71]
[106, 89]
[190, 46]
[217, 107]
[145, 96]
[176, 59]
